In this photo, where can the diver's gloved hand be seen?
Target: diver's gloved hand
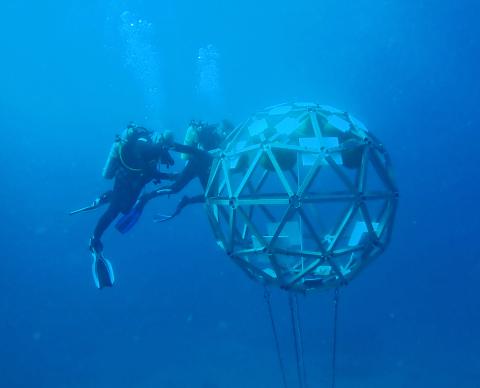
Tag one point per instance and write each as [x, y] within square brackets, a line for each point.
[105, 197]
[96, 245]
[166, 158]
[102, 199]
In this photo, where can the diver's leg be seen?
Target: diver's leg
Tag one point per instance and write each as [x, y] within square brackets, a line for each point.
[184, 202]
[130, 205]
[204, 166]
[103, 223]
[181, 180]
[184, 178]
[200, 198]
[200, 169]
[102, 269]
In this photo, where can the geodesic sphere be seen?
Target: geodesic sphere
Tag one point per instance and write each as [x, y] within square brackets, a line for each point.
[302, 196]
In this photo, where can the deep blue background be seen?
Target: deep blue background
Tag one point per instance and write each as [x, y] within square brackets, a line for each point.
[181, 314]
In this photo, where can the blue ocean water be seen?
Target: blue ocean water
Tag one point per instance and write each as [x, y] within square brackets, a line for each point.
[182, 314]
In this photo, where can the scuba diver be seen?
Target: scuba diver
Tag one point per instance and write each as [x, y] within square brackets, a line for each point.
[199, 140]
[132, 162]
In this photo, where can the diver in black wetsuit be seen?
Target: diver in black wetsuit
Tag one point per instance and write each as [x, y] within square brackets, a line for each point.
[204, 138]
[132, 163]
[199, 140]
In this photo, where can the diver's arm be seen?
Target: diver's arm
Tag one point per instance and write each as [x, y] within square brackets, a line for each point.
[156, 151]
[185, 149]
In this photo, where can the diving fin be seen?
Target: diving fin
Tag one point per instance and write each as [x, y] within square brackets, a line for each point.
[102, 200]
[102, 271]
[185, 201]
[88, 208]
[162, 218]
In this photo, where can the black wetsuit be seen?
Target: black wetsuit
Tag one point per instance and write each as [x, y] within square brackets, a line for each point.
[139, 166]
[200, 162]
[198, 166]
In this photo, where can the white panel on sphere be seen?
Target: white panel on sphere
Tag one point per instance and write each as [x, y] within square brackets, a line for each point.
[238, 147]
[270, 272]
[322, 270]
[339, 123]
[315, 143]
[234, 162]
[256, 244]
[257, 127]
[359, 229]
[332, 142]
[308, 159]
[287, 125]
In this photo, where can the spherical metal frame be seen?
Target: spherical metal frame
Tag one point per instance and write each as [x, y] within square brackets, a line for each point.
[302, 196]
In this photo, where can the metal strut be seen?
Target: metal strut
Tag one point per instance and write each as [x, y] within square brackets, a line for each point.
[275, 336]
[298, 341]
[335, 320]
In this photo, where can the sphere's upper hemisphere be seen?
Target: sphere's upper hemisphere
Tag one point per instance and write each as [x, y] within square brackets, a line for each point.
[302, 196]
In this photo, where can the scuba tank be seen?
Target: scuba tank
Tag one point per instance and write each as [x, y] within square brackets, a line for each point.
[191, 137]
[115, 158]
[113, 161]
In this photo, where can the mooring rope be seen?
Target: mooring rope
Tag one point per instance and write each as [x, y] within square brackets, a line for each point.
[335, 321]
[297, 339]
[275, 336]
[300, 337]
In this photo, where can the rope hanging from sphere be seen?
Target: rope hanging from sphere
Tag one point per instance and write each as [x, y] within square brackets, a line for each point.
[336, 298]
[297, 339]
[275, 336]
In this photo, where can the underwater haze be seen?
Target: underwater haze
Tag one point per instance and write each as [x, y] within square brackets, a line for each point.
[182, 314]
